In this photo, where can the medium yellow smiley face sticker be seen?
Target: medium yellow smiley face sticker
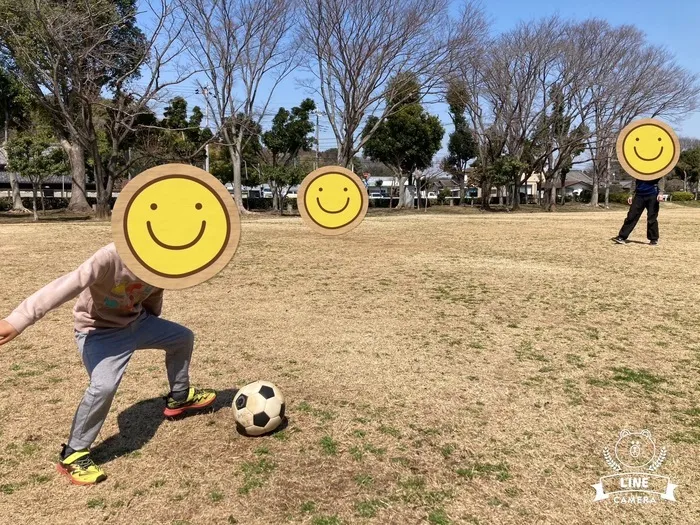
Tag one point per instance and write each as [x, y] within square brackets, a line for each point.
[648, 149]
[332, 200]
[175, 226]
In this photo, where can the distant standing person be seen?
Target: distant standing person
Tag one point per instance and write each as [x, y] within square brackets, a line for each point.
[648, 150]
[647, 195]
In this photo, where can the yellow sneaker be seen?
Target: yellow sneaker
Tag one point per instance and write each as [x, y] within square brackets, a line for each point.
[196, 399]
[79, 468]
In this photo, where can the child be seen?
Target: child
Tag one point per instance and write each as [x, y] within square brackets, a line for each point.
[646, 195]
[115, 315]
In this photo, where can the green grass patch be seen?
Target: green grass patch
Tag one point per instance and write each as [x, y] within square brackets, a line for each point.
[216, 496]
[9, 488]
[691, 436]
[573, 393]
[500, 470]
[357, 453]
[255, 473]
[438, 517]
[308, 507]
[448, 450]
[377, 451]
[641, 377]
[326, 520]
[329, 446]
[390, 431]
[364, 480]
[96, 503]
[369, 508]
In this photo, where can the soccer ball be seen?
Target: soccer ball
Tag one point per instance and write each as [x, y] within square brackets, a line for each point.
[258, 408]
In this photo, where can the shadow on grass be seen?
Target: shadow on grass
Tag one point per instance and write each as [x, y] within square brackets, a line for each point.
[139, 423]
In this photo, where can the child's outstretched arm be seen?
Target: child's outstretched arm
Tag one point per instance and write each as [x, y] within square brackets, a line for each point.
[54, 295]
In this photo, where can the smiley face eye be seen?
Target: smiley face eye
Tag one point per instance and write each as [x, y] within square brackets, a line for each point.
[637, 139]
[154, 206]
[320, 189]
[198, 206]
[659, 139]
[345, 189]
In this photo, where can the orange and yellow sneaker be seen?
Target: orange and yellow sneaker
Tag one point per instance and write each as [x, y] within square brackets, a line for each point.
[196, 399]
[79, 468]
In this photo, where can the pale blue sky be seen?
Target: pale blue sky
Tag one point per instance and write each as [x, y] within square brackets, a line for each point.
[674, 24]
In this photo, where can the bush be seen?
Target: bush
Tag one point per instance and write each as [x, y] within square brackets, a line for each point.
[585, 196]
[681, 196]
[620, 198]
[444, 195]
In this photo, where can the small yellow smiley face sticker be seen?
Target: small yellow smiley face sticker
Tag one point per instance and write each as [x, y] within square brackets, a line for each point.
[648, 149]
[332, 200]
[175, 226]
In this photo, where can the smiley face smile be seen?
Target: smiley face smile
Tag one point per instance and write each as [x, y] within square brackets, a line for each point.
[651, 159]
[171, 246]
[341, 210]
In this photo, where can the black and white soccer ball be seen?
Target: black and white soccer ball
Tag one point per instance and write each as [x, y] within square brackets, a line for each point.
[258, 408]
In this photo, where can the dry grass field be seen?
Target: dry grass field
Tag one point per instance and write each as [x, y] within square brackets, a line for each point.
[438, 369]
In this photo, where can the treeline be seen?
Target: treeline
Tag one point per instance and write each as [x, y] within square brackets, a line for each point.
[90, 75]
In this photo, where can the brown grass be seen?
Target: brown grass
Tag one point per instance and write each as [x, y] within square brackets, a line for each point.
[438, 368]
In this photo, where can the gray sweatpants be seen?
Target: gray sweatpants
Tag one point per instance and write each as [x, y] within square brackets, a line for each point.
[106, 352]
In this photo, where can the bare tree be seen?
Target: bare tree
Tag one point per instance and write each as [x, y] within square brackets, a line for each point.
[627, 78]
[689, 143]
[511, 89]
[88, 65]
[238, 44]
[354, 47]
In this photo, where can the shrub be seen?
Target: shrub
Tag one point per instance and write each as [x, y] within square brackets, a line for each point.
[620, 198]
[443, 195]
[585, 196]
[681, 196]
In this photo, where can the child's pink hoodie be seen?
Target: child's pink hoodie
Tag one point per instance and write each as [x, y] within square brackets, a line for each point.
[109, 295]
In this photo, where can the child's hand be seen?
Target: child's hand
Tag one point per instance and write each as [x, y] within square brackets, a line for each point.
[7, 332]
[629, 201]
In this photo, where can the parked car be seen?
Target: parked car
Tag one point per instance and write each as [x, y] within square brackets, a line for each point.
[375, 195]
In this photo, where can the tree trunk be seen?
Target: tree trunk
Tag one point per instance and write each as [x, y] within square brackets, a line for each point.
[237, 193]
[462, 184]
[594, 192]
[402, 193]
[275, 200]
[36, 215]
[76, 157]
[17, 205]
[41, 194]
[552, 202]
[7, 121]
[499, 193]
[515, 198]
[607, 196]
[486, 194]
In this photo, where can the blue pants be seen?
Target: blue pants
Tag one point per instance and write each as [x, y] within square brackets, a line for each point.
[105, 354]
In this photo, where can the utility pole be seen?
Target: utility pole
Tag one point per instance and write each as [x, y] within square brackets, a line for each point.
[205, 92]
[317, 113]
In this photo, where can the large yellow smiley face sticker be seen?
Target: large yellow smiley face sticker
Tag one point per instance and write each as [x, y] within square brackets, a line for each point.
[175, 226]
[332, 200]
[648, 149]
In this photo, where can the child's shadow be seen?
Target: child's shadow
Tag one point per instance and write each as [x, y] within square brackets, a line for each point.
[139, 423]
